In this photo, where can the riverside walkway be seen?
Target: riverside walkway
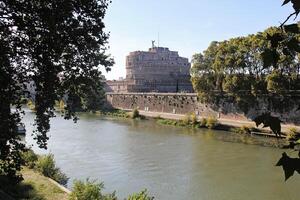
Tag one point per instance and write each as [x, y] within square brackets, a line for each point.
[224, 121]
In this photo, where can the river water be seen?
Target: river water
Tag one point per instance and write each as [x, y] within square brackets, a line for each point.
[172, 163]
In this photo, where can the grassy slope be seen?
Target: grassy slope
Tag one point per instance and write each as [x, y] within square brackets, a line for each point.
[34, 186]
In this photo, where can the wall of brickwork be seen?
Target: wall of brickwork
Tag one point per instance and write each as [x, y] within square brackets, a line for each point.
[175, 103]
[183, 103]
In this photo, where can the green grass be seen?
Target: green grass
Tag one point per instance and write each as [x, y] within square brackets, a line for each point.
[33, 187]
[167, 122]
[190, 120]
[116, 113]
[122, 114]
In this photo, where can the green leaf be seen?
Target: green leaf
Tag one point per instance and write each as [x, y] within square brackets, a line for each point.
[285, 2]
[275, 39]
[292, 28]
[293, 45]
[286, 51]
[270, 57]
[296, 6]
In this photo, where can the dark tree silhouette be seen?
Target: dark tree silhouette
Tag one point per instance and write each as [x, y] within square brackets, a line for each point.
[291, 47]
[289, 165]
[269, 121]
[58, 44]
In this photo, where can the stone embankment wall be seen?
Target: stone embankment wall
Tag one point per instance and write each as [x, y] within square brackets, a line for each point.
[176, 103]
[183, 103]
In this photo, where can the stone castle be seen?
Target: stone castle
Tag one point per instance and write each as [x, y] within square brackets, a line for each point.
[155, 70]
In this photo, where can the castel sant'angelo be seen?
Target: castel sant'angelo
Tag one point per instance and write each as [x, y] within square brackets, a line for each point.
[155, 70]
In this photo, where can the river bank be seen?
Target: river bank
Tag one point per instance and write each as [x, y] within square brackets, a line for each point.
[34, 186]
[245, 131]
[227, 122]
[223, 124]
[171, 162]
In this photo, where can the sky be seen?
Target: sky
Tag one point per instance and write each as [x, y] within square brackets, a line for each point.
[186, 26]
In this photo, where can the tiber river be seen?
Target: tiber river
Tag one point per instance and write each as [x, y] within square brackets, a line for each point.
[172, 163]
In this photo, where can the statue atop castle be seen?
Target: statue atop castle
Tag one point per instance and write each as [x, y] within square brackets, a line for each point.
[153, 43]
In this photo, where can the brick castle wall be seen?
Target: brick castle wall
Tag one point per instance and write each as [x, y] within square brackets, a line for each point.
[183, 103]
[176, 103]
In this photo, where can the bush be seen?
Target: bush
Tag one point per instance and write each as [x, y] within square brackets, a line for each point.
[29, 158]
[140, 196]
[115, 113]
[135, 114]
[243, 130]
[193, 119]
[203, 122]
[186, 119]
[293, 135]
[89, 190]
[46, 166]
[167, 122]
[60, 177]
[211, 122]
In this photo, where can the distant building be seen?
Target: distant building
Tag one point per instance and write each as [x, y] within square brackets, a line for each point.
[156, 70]
[30, 90]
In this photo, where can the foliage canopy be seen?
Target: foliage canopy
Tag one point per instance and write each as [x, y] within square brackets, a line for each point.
[60, 45]
[242, 69]
[245, 69]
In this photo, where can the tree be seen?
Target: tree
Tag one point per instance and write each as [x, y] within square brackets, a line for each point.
[290, 46]
[234, 70]
[61, 46]
[244, 69]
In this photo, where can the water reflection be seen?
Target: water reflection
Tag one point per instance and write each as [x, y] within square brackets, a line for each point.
[171, 162]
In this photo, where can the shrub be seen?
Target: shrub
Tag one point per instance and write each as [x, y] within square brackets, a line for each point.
[197, 126]
[167, 122]
[60, 177]
[186, 119]
[135, 114]
[89, 190]
[29, 158]
[143, 195]
[203, 122]
[193, 119]
[243, 130]
[293, 134]
[46, 165]
[211, 122]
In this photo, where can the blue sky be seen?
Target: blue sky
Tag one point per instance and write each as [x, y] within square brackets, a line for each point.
[187, 26]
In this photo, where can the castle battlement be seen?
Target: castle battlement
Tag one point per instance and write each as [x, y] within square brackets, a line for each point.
[157, 69]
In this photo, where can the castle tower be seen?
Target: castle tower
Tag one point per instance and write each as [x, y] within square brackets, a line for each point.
[155, 70]
[158, 70]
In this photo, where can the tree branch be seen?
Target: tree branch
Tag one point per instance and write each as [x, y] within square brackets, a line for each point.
[287, 19]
